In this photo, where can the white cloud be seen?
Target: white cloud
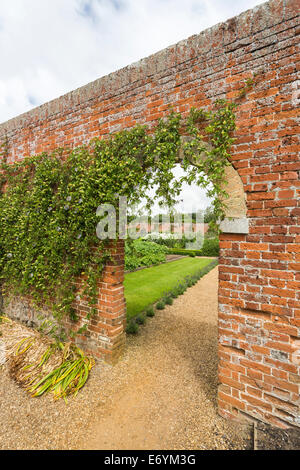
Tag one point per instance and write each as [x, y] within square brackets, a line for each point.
[49, 47]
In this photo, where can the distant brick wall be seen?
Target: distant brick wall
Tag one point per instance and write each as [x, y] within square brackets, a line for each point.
[259, 320]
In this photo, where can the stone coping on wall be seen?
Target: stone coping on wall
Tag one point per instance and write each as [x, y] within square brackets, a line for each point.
[235, 225]
[223, 36]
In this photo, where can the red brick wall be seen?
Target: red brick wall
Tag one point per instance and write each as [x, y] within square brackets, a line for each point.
[105, 336]
[259, 273]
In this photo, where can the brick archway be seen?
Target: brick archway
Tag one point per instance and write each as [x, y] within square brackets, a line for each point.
[236, 206]
[259, 315]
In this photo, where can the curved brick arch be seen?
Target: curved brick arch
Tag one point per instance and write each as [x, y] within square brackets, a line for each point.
[236, 202]
[236, 207]
[259, 281]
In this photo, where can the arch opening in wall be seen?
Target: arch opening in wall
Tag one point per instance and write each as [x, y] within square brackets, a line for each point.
[235, 205]
[235, 216]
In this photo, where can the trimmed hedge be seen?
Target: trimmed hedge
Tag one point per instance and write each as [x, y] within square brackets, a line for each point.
[175, 251]
[211, 247]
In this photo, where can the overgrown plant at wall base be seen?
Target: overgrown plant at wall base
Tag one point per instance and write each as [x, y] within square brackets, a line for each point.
[40, 365]
[48, 202]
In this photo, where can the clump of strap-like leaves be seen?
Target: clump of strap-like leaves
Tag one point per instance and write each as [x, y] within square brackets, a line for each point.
[48, 202]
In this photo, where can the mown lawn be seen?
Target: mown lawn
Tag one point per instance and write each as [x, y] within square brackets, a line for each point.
[144, 287]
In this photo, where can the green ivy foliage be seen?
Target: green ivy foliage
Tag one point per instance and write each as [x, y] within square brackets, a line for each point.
[48, 202]
[210, 172]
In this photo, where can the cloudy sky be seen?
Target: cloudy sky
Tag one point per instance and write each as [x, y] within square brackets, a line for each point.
[50, 47]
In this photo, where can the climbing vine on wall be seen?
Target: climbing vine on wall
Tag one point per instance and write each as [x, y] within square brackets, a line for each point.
[48, 202]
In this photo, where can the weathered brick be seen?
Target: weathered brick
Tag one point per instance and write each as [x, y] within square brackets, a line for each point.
[259, 272]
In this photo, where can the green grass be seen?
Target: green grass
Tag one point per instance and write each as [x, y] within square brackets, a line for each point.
[143, 288]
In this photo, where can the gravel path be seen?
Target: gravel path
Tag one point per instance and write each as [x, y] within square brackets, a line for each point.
[161, 395]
